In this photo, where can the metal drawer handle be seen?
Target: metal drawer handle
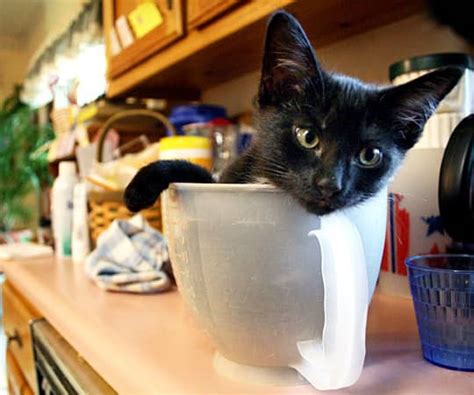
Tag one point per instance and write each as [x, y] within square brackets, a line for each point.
[14, 338]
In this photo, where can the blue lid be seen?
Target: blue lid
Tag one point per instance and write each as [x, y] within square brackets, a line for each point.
[193, 113]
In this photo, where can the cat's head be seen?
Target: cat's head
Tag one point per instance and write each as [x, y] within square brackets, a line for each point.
[330, 140]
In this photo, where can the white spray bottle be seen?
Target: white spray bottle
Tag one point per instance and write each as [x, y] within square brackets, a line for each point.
[62, 208]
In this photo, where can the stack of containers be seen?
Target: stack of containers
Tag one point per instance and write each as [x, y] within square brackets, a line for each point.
[415, 225]
[206, 121]
[194, 149]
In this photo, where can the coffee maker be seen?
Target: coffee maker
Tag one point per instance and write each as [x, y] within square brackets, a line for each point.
[456, 185]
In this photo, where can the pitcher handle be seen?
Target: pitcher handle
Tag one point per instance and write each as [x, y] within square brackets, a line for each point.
[337, 359]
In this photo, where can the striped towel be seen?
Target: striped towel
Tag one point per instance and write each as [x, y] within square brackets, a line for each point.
[129, 257]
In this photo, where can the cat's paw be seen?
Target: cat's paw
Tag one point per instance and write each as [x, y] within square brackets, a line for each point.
[142, 191]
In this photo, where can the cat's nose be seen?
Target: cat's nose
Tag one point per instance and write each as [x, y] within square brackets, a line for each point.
[329, 186]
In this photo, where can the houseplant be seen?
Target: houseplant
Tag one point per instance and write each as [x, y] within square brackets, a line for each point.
[23, 168]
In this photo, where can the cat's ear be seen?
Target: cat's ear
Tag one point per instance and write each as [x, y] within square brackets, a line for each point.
[410, 105]
[289, 65]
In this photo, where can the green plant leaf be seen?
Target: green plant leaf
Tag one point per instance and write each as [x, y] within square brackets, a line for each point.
[20, 170]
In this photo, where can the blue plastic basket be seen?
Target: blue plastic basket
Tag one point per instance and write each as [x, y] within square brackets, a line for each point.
[442, 287]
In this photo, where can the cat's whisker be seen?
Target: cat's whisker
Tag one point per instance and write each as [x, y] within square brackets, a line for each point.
[275, 165]
[279, 175]
[276, 169]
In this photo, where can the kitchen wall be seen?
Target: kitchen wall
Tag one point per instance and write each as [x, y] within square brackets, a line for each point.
[26, 28]
[366, 56]
[12, 66]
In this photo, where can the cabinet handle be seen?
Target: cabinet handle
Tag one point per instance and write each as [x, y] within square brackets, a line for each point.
[14, 338]
[169, 3]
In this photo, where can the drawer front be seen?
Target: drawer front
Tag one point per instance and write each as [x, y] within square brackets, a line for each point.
[17, 315]
[17, 384]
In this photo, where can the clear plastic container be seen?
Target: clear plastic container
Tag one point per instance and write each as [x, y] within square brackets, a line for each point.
[274, 286]
[443, 294]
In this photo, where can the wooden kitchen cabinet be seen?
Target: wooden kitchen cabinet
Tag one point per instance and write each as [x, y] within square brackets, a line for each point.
[200, 12]
[20, 362]
[168, 31]
[17, 384]
[224, 40]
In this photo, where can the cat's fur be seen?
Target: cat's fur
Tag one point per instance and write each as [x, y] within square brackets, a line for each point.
[345, 114]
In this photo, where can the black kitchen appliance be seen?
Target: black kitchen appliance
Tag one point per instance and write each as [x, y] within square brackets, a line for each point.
[456, 183]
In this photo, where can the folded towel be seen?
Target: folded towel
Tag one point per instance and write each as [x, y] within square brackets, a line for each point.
[129, 257]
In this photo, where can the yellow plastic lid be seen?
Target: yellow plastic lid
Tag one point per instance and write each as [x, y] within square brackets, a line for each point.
[185, 142]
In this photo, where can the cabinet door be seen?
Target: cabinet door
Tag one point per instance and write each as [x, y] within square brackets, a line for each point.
[199, 12]
[17, 315]
[17, 384]
[170, 29]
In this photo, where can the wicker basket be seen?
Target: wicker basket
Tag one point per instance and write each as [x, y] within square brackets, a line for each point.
[107, 206]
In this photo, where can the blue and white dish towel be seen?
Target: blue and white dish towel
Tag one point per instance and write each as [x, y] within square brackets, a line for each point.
[129, 257]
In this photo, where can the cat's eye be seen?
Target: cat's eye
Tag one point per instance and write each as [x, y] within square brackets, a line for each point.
[306, 137]
[370, 157]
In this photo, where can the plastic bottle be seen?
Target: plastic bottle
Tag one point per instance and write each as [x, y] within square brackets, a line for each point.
[61, 208]
[80, 226]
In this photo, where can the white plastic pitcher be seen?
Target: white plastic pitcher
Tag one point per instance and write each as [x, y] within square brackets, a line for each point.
[274, 286]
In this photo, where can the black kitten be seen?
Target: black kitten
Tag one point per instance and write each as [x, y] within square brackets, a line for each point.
[328, 140]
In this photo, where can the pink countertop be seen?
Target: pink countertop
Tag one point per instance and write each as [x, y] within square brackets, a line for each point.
[149, 344]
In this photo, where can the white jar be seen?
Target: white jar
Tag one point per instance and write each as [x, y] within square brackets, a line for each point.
[453, 108]
[80, 226]
[62, 208]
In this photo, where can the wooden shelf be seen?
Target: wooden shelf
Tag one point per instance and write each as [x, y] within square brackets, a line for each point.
[232, 44]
